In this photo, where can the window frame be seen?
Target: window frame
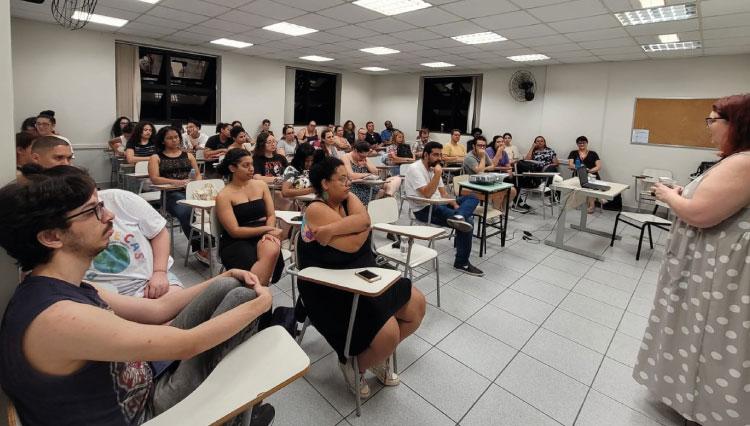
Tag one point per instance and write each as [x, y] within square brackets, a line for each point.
[475, 100]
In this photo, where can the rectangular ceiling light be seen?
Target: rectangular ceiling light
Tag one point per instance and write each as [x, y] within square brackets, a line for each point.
[659, 14]
[231, 43]
[99, 19]
[528, 58]
[150, 1]
[479, 38]
[379, 50]
[438, 64]
[662, 47]
[392, 7]
[651, 3]
[316, 58]
[376, 69]
[289, 29]
[669, 38]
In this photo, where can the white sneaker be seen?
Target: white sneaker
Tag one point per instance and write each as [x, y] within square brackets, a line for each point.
[384, 372]
[348, 371]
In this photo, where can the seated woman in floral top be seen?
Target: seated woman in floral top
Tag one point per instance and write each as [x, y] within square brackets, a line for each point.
[543, 154]
[297, 175]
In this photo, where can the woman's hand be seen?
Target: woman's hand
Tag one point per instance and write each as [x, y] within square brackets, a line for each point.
[246, 277]
[664, 193]
[274, 232]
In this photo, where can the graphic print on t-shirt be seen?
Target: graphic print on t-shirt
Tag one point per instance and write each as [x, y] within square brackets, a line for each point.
[117, 256]
[273, 168]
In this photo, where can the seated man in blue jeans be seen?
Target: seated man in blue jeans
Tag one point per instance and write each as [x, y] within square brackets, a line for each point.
[424, 179]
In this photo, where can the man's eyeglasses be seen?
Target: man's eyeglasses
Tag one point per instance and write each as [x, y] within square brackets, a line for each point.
[97, 209]
[712, 120]
[481, 145]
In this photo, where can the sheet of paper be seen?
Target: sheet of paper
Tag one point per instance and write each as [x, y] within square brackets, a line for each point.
[639, 136]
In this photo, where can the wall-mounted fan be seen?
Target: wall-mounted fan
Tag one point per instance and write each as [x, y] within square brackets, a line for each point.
[522, 86]
[72, 14]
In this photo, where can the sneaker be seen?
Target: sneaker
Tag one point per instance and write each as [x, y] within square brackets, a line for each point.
[347, 370]
[526, 206]
[469, 269]
[391, 237]
[519, 209]
[262, 415]
[396, 245]
[384, 373]
[460, 224]
[202, 256]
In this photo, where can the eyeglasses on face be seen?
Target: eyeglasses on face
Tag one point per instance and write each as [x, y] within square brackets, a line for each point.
[97, 209]
[344, 180]
[712, 120]
[481, 145]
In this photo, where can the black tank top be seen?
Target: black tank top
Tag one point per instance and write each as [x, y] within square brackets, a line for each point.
[250, 213]
[111, 393]
[174, 167]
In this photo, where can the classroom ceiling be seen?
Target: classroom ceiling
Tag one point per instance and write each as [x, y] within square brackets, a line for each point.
[568, 31]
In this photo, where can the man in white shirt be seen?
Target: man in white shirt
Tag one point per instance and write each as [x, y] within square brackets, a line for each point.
[194, 139]
[424, 179]
[136, 260]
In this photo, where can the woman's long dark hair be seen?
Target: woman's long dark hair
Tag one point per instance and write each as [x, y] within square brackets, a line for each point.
[260, 144]
[135, 138]
[323, 170]
[232, 158]
[300, 155]
[162, 134]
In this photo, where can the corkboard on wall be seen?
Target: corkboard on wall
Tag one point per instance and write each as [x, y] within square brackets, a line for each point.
[678, 122]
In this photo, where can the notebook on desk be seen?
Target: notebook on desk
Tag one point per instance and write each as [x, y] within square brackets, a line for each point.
[583, 178]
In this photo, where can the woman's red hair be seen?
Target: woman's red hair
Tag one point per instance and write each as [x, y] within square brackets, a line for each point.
[736, 110]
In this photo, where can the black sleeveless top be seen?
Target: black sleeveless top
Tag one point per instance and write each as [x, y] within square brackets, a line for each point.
[111, 393]
[174, 167]
[251, 213]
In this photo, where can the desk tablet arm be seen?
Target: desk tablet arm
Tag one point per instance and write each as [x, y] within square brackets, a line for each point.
[431, 201]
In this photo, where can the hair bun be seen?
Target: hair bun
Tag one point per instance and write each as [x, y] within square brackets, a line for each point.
[48, 112]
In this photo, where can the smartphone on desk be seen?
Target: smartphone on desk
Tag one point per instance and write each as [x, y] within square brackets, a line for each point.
[367, 275]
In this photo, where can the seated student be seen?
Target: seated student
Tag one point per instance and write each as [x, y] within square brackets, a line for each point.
[542, 154]
[424, 180]
[249, 239]
[341, 142]
[358, 167]
[265, 126]
[399, 152]
[23, 150]
[118, 144]
[309, 134]
[172, 165]
[193, 139]
[51, 151]
[78, 354]
[588, 159]
[454, 152]
[288, 144]
[137, 259]
[297, 174]
[477, 161]
[336, 235]
[422, 139]
[218, 144]
[28, 125]
[350, 131]
[492, 146]
[513, 152]
[328, 146]
[387, 133]
[235, 123]
[140, 146]
[372, 137]
[118, 126]
[240, 139]
[269, 165]
[46, 123]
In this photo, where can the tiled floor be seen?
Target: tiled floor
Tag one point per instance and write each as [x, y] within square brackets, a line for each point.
[546, 337]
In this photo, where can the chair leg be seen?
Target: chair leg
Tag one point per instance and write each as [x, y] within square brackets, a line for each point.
[614, 231]
[640, 242]
[187, 249]
[437, 279]
[356, 385]
[650, 238]
[302, 331]
[395, 364]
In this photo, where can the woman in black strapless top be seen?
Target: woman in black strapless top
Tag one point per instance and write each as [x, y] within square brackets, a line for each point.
[249, 238]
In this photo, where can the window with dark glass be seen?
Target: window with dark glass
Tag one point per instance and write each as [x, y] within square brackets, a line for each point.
[448, 103]
[314, 97]
[177, 85]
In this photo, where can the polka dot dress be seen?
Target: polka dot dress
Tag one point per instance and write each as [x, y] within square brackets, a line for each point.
[695, 354]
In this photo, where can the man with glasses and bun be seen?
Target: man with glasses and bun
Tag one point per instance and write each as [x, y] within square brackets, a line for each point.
[76, 353]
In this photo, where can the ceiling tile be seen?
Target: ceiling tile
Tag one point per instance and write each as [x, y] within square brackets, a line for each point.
[729, 50]
[220, 24]
[568, 10]
[145, 30]
[324, 37]
[581, 60]
[624, 57]
[529, 31]
[664, 27]
[618, 5]
[648, 39]
[194, 7]
[724, 7]
[585, 24]
[207, 31]
[615, 42]
[328, 48]
[544, 41]
[133, 6]
[300, 42]
[565, 47]
[440, 43]
[501, 47]
[527, 4]
[675, 54]
[476, 8]
[353, 44]
[227, 3]
[352, 31]
[265, 35]
[272, 10]
[319, 22]
[247, 19]
[726, 21]
[160, 22]
[382, 40]
[416, 35]
[407, 47]
[506, 20]
[386, 25]
[725, 42]
[727, 33]
[311, 5]
[350, 13]
[570, 54]
[598, 34]
[427, 17]
[188, 38]
[624, 50]
[457, 28]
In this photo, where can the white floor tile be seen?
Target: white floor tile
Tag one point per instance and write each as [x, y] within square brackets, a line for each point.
[566, 265]
[553, 276]
[524, 306]
[295, 402]
[436, 324]
[511, 261]
[633, 325]
[398, 405]
[592, 309]
[483, 288]
[561, 396]
[499, 407]
[566, 356]
[602, 293]
[624, 349]
[640, 306]
[503, 326]
[437, 377]
[540, 290]
[456, 302]
[578, 329]
[601, 410]
[409, 350]
[325, 376]
[611, 279]
[315, 345]
[477, 350]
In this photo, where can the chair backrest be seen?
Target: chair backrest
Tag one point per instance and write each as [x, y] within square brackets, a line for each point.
[198, 189]
[457, 183]
[141, 167]
[383, 210]
[216, 228]
[657, 173]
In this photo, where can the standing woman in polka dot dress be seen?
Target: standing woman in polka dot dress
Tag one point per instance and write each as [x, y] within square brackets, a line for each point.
[695, 354]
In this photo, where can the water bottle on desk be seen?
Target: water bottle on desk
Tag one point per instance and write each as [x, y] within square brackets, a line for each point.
[578, 163]
[191, 175]
[404, 246]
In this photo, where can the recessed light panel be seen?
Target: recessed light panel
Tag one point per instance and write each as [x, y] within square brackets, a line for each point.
[662, 47]
[150, 1]
[528, 58]
[375, 69]
[438, 64]
[479, 38]
[659, 14]
[231, 43]
[392, 7]
[99, 19]
[379, 50]
[316, 58]
[669, 38]
[289, 29]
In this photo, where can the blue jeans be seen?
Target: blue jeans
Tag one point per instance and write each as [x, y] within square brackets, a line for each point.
[440, 214]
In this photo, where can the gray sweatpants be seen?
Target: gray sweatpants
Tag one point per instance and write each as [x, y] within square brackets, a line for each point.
[221, 296]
